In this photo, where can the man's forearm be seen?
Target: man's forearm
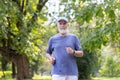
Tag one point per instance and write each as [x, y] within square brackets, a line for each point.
[78, 53]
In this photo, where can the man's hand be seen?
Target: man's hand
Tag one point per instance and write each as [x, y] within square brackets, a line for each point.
[70, 50]
[51, 59]
[73, 52]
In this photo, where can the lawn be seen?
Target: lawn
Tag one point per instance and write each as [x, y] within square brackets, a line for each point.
[106, 78]
[39, 77]
[36, 77]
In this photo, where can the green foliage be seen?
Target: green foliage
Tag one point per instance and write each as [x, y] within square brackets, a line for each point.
[4, 64]
[96, 25]
[39, 38]
[110, 68]
[88, 65]
[6, 76]
[98, 20]
[19, 26]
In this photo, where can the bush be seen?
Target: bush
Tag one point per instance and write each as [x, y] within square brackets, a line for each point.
[88, 64]
[6, 75]
[110, 68]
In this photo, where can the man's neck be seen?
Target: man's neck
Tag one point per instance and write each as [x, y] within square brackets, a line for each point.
[63, 34]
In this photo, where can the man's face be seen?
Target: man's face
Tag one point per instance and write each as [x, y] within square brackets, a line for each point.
[62, 26]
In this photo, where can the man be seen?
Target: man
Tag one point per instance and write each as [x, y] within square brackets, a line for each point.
[63, 48]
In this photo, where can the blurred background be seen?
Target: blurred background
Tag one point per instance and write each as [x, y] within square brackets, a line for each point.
[26, 26]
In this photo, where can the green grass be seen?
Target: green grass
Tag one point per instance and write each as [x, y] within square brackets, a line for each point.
[9, 77]
[106, 78]
[6, 76]
[36, 77]
[39, 77]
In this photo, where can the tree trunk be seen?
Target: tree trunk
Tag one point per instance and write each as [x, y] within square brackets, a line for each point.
[22, 64]
[20, 61]
[13, 70]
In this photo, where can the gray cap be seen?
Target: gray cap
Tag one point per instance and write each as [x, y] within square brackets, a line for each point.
[62, 19]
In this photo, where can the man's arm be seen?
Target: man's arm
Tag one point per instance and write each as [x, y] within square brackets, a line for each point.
[74, 52]
[78, 53]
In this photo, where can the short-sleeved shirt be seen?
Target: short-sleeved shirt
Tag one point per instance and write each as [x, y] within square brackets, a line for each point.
[65, 62]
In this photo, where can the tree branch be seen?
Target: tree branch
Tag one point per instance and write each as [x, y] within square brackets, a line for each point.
[18, 3]
[22, 7]
[40, 5]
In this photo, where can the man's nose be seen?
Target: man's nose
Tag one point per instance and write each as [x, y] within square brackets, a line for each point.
[62, 25]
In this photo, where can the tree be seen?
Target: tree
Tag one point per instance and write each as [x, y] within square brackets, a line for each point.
[18, 19]
[96, 24]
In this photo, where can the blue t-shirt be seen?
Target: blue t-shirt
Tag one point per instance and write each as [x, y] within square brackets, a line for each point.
[65, 62]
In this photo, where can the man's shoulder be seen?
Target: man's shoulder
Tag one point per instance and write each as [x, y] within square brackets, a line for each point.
[55, 36]
[70, 34]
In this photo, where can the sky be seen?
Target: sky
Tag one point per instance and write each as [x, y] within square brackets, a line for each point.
[53, 6]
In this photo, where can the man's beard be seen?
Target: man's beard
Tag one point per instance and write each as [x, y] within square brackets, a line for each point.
[63, 31]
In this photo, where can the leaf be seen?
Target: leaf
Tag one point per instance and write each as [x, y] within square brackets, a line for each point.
[73, 0]
[100, 12]
[112, 14]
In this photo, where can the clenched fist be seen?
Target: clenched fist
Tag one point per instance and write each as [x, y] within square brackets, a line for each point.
[70, 50]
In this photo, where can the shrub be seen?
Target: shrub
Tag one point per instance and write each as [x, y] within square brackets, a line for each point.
[110, 68]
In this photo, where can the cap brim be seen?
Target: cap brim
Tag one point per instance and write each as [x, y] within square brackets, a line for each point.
[62, 19]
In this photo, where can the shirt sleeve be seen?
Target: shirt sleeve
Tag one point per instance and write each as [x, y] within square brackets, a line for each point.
[77, 44]
[49, 48]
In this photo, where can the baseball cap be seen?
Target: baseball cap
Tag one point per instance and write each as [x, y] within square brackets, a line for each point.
[62, 19]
